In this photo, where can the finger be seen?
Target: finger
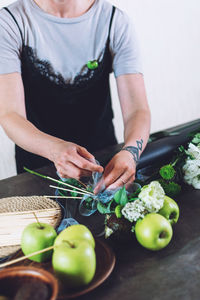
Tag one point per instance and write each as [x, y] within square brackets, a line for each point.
[61, 174]
[130, 182]
[100, 185]
[71, 171]
[83, 152]
[84, 164]
[121, 181]
[108, 179]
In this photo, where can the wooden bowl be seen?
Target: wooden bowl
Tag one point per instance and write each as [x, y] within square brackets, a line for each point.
[25, 283]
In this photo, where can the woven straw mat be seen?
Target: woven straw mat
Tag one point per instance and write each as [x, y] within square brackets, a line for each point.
[21, 204]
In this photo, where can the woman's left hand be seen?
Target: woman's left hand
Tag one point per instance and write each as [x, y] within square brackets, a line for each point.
[119, 171]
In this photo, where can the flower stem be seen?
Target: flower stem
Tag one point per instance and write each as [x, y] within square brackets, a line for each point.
[55, 180]
[173, 164]
[35, 173]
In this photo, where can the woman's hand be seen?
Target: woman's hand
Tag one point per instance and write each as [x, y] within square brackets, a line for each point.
[119, 171]
[73, 161]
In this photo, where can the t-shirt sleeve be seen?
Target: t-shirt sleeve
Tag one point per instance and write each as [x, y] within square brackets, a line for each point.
[10, 45]
[124, 46]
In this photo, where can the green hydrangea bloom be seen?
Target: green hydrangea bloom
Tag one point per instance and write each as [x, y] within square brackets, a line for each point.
[171, 189]
[167, 172]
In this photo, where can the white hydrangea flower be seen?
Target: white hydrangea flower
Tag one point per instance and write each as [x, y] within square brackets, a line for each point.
[194, 151]
[108, 232]
[191, 169]
[152, 196]
[196, 182]
[133, 210]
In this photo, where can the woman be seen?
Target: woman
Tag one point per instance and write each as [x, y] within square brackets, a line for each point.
[55, 104]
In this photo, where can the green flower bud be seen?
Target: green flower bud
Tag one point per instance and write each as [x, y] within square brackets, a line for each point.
[118, 211]
[167, 172]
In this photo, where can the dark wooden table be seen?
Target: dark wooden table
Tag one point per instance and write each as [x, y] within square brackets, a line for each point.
[173, 273]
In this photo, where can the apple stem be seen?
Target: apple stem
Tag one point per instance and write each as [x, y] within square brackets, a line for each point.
[69, 243]
[40, 225]
[14, 261]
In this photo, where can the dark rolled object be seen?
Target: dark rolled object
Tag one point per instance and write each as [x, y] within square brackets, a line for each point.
[160, 147]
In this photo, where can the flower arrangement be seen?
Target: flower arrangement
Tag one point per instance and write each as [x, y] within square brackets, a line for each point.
[124, 208]
[191, 168]
[132, 207]
[183, 168]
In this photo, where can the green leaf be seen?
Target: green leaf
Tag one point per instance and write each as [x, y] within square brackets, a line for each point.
[109, 206]
[60, 193]
[75, 193]
[135, 194]
[120, 196]
[73, 182]
[133, 199]
[124, 198]
[181, 148]
[196, 139]
[101, 208]
[89, 189]
[117, 196]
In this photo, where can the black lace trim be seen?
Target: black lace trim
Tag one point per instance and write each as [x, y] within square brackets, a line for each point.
[46, 70]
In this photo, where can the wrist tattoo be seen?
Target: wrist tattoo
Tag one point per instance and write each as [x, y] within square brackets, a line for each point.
[135, 151]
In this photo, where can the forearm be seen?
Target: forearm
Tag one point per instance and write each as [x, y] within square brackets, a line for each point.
[136, 130]
[135, 111]
[70, 159]
[121, 169]
[24, 134]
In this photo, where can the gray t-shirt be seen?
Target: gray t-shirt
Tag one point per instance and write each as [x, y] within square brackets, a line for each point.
[67, 43]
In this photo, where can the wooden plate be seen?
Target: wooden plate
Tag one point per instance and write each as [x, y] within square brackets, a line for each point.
[105, 263]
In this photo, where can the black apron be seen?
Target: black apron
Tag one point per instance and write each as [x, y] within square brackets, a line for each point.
[80, 112]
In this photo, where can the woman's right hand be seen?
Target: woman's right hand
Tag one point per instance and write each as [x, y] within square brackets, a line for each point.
[72, 160]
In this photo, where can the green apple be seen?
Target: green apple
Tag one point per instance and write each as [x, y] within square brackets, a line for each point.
[170, 210]
[153, 232]
[74, 262]
[75, 232]
[38, 236]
